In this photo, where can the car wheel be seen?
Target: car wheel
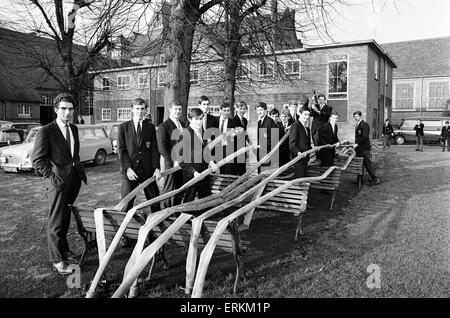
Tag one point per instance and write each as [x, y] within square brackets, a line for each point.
[399, 140]
[100, 157]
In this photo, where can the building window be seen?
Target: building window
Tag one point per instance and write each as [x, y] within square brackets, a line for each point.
[386, 76]
[194, 76]
[106, 114]
[46, 100]
[143, 80]
[375, 69]
[213, 109]
[438, 95]
[265, 69]
[292, 67]
[337, 78]
[89, 104]
[24, 111]
[105, 84]
[123, 114]
[162, 59]
[404, 96]
[123, 82]
[161, 78]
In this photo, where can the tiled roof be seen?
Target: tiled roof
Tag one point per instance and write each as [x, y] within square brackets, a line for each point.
[426, 57]
[20, 76]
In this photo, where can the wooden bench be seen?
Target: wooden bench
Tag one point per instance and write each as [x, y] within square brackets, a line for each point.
[330, 183]
[354, 167]
[292, 200]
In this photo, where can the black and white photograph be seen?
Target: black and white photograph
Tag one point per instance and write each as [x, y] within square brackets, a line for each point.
[250, 154]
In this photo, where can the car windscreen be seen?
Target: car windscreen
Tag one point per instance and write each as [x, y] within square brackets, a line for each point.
[99, 132]
[32, 135]
[9, 136]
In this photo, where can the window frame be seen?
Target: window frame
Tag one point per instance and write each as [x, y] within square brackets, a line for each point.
[106, 88]
[123, 87]
[336, 95]
[159, 82]
[395, 98]
[428, 98]
[124, 110]
[293, 73]
[264, 76]
[146, 82]
[103, 112]
[375, 69]
[26, 110]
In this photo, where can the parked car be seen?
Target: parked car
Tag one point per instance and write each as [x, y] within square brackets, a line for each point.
[94, 146]
[23, 126]
[2, 122]
[432, 130]
[10, 136]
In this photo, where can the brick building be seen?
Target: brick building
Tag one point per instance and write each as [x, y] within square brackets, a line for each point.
[422, 80]
[353, 76]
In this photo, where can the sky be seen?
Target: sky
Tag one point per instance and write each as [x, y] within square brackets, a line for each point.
[383, 20]
[397, 20]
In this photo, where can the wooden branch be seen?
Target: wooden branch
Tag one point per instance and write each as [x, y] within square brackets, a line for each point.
[47, 19]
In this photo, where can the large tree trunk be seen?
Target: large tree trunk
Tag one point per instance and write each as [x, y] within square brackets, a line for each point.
[184, 17]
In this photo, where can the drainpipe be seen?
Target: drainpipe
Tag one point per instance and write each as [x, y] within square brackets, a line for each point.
[421, 94]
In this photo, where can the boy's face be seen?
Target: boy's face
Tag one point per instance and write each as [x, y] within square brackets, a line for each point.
[242, 110]
[175, 111]
[356, 117]
[139, 112]
[293, 108]
[304, 117]
[274, 117]
[197, 122]
[225, 112]
[284, 118]
[204, 106]
[260, 112]
[333, 119]
[321, 100]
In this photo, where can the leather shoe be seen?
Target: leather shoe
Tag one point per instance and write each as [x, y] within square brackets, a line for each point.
[70, 256]
[61, 268]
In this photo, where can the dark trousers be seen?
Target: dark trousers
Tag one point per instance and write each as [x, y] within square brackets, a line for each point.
[367, 161]
[151, 191]
[419, 142]
[446, 143]
[301, 168]
[59, 217]
[201, 188]
[172, 182]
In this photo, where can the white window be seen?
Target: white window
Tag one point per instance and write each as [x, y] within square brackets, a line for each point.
[105, 84]
[24, 111]
[106, 113]
[161, 78]
[438, 94]
[123, 82]
[292, 67]
[194, 76]
[403, 96]
[143, 80]
[337, 77]
[46, 100]
[375, 69]
[123, 114]
[162, 59]
[265, 69]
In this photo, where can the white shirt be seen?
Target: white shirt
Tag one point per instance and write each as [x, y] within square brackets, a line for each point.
[177, 123]
[224, 124]
[62, 127]
[135, 122]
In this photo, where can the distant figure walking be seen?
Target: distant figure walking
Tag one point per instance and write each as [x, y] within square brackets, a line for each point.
[419, 135]
[445, 134]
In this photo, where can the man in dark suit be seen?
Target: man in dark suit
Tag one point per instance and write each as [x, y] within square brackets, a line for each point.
[231, 144]
[300, 141]
[445, 135]
[194, 161]
[264, 134]
[138, 154]
[293, 109]
[362, 147]
[241, 121]
[209, 121]
[56, 157]
[320, 112]
[328, 135]
[387, 134]
[169, 133]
